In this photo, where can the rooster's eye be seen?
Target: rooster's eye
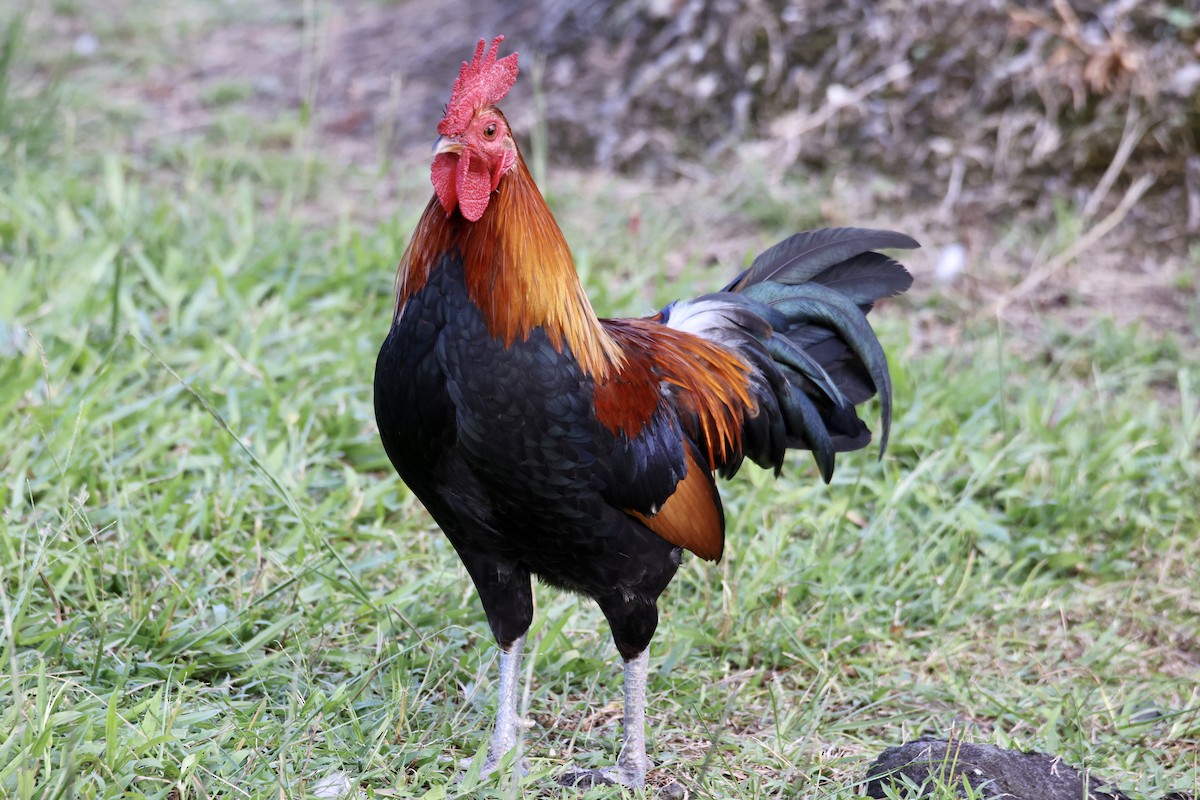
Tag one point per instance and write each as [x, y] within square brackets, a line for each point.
[490, 131]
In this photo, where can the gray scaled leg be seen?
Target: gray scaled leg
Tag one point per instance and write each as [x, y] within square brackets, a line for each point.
[507, 733]
[632, 763]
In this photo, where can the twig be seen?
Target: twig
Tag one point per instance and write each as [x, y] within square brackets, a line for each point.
[1135, 128]
[1191, 174]
[953, 189]
[58, 613]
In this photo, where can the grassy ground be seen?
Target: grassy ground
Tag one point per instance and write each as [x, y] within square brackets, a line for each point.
[212, 584]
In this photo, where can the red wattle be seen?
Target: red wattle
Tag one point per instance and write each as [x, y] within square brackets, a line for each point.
[442, 175]
[474, 186]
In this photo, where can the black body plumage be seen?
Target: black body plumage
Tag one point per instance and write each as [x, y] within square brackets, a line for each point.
[503, 445]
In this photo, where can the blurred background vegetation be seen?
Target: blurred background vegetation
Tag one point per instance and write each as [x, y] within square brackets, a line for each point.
[990, 127]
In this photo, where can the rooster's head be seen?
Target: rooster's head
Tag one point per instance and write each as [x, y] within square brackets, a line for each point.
[475, 147]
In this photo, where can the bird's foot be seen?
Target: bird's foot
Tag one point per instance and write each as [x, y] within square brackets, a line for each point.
[608, 776]
[579, 778]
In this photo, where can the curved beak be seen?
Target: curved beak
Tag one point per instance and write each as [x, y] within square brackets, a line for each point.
[445, 144]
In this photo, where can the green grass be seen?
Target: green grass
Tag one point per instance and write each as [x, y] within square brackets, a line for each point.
[212, 584]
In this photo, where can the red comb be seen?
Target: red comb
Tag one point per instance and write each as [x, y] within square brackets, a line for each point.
[485, 80]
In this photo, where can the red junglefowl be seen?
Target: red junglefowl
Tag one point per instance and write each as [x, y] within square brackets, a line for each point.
[545, 441]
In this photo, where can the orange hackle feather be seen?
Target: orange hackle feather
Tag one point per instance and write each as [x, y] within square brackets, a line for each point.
[518, 268]
[713, 385]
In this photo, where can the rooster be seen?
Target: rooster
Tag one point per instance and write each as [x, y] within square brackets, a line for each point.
[546, 441]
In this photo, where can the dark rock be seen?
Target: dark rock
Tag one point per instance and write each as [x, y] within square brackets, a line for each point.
[1001, 774]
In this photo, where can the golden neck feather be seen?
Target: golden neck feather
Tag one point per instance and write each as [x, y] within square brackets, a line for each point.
[519, 271]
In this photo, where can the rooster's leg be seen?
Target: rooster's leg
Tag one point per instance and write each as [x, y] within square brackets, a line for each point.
[507, 598]
[507, 733]
[632, 763]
